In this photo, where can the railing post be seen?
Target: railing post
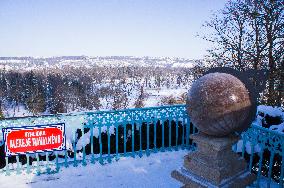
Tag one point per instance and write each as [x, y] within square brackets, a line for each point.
[187, 132]
[148, 140]
[270, 168]
[163, 135]
[56, 162]
[7, 167]
[243, 148]
[92, 144]
[28, 164]
[66, 159]
[75, 149]
[48, 170]
[140, 139]
[251, 157]
[176, 148]
[116, 141]
[259, 167]
[18, 165]
[37, 165]
[155, 135]
[132, 136]
[282, 168]
[84, 150]
[170, 134]
[124, 139]
[101, 145]
[183, 127]
[108, 145]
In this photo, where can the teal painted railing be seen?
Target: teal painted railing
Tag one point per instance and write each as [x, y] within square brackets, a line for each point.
[264, 151]
[105, 136]
[130, 132]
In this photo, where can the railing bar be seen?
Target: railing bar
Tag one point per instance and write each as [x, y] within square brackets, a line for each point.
[270, 168]
[132, 136]
[38, 165]
[183, 127]
[95, 113]
[140, 139]
[243, 148]
[259, 167]
[18, 165]
[116, 141]
[170, 133]
[251, 158]
[47, 163]
[148, 139]
[66, 158]
[28, 164]
[7, 166]
[124, 138]
[84, 148]
[75, 149]
[187, 132]
[101, 145]
[163, 135]
[282, 169]
[155, 135]
[108, 144]
[176, 148]
[56, 161]
[92, 145]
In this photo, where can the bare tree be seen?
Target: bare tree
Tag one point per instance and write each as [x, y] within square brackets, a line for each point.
[248, 34]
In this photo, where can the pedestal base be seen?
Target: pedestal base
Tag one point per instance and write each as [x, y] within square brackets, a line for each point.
[214, 164]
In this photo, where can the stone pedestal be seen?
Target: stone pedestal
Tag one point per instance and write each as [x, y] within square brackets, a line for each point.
[214, 164]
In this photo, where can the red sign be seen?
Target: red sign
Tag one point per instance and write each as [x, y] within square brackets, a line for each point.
[33, 139]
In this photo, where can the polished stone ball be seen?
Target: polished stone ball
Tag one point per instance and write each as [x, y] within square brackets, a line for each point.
[218, 104]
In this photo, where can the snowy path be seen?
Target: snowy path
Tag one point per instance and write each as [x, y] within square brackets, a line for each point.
[153, 171]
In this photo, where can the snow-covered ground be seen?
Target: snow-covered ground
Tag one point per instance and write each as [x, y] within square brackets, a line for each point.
[146, 172]
[153, 171]
[154, 96]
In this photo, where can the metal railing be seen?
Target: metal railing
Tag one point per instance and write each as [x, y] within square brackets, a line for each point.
[264, 151]
[105, 136]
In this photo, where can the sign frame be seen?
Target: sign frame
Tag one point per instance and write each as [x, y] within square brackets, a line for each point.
[7, 130]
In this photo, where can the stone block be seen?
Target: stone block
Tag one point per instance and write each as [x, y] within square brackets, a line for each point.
[214, 163]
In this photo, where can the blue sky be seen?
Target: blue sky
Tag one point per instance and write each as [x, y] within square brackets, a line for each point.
[104, 27]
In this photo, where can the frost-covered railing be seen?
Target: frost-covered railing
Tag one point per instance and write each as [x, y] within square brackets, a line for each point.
[264, 150]
[103, 136]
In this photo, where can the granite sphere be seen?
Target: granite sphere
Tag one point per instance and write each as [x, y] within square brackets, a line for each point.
[218, 104]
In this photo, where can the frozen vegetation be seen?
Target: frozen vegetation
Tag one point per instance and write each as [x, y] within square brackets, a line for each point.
[38, 86]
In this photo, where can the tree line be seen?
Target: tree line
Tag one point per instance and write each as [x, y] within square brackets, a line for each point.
[53, 90]
[249, 34]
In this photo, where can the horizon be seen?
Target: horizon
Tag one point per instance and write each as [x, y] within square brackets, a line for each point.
[127, 56]
[105, 28]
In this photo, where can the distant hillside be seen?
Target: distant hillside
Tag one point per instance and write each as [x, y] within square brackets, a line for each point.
[30, 63]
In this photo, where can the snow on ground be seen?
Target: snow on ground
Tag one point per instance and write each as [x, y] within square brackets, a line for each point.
[154, 96]
[146, 172]
[153, 171]
[18, 111]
